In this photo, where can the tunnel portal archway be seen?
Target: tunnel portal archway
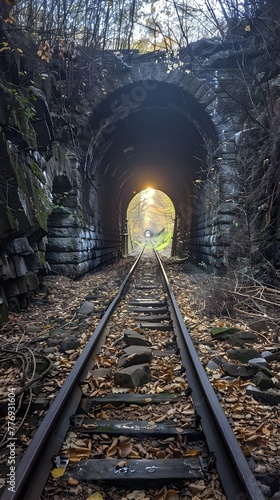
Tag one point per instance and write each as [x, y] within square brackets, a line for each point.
[153, 132]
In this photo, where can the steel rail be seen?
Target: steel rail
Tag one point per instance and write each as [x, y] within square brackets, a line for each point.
[235, 474]
[34, 468]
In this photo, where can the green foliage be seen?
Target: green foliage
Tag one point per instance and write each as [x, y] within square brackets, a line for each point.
[4, 46]
[10, 216]
[163, 240]
[16, 96]
[62, 210]
[42, 204]
[19, 112]
[151, 209]
[23, 196]
[218, 331]
[36, 170]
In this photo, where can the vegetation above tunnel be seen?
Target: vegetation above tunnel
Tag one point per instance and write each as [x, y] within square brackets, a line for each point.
[139, 24]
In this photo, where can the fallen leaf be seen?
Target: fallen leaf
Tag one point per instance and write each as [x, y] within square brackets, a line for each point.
[160, 454]
[76, 449]
[160, 419]
[136, 495]
[238, 416]
[72, 481]
[253, 438]
[140, 448]
[121, 464]
[95, 496]
[231, 400]
[246, 451]
[124, 446]
[111, 451]
[159, 390]
[58, 472]
[193, 453]
[266, 430]
[161, 495]
[10, 19]
[199, 487]
[172, 495]
[134, 454]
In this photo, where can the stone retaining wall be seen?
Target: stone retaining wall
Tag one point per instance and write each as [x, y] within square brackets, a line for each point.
[20, 264]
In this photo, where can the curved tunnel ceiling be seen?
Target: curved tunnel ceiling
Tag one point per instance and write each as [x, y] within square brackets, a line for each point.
[154, 138]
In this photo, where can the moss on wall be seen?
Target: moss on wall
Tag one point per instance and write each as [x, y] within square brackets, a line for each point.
[18, 111]
[25, 202]
[36, 170]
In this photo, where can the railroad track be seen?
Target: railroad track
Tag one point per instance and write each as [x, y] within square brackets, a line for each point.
[153, 364]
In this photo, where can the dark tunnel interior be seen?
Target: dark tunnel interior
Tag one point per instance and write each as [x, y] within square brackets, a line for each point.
[151, 134]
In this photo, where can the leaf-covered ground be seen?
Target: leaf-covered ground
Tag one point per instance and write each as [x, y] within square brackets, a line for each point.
[33, 339]
[255, 423]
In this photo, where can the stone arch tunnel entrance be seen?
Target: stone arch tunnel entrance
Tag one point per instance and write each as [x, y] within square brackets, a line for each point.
[181, 126]
[150, 126]
[151, 133]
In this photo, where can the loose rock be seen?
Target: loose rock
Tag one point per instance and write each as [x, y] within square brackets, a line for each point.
[135, 355]
[262, 381]
[241, 338]
[242, 355]
[133, 376]
[258, 361]
[69, 345]
[86, 308]
[242, 371]
[101, 373]
[271, 396]
[133, 338]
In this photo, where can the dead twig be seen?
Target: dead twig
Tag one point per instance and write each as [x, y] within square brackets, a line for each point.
[274, 304]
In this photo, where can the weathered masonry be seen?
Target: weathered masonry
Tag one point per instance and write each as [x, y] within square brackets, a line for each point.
[178, 125]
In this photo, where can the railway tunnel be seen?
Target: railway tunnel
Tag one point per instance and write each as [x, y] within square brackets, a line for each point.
[166, 129]
[157, 139]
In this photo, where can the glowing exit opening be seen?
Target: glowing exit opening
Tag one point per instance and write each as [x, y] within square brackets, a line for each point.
[150, 217]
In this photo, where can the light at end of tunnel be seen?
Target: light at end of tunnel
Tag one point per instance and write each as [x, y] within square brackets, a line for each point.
[148, 233]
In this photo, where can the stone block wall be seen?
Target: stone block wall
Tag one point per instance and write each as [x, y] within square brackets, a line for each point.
[25, 200]
[77, 242]
[218, 206]
[21, 262]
